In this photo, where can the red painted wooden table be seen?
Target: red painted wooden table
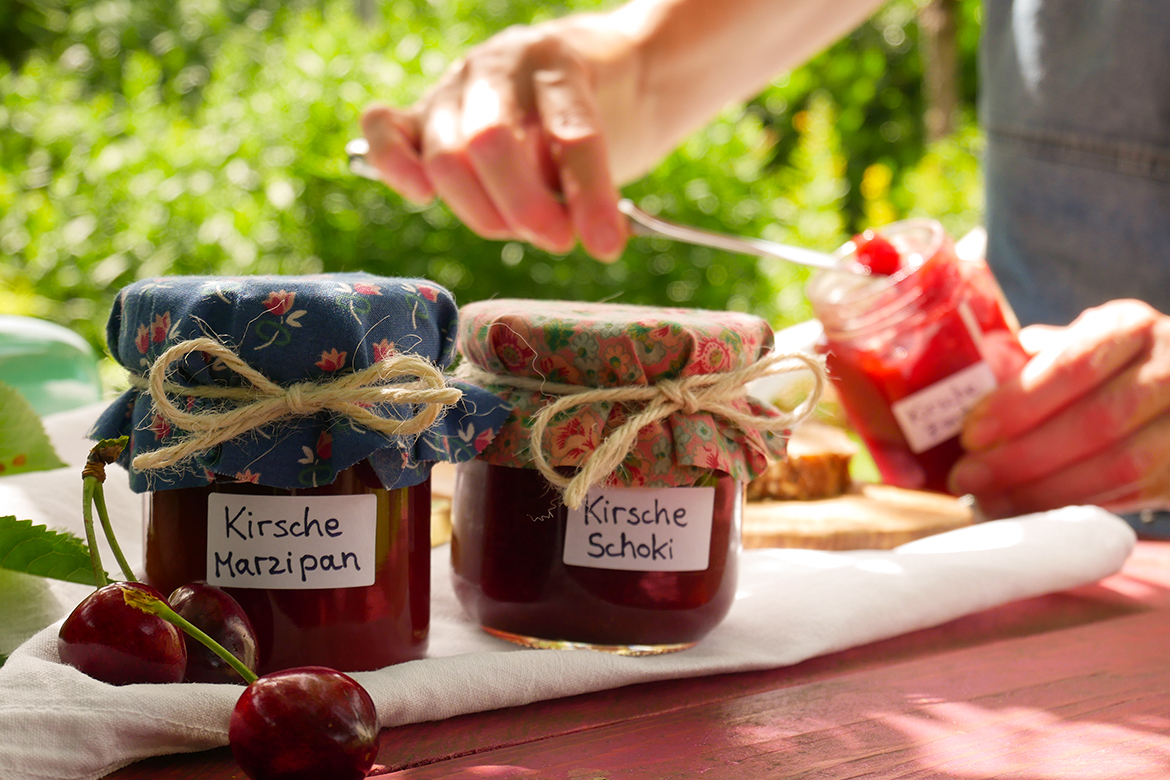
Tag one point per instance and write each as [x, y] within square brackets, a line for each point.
[1071, 685]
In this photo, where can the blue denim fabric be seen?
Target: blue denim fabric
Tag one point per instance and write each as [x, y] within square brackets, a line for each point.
[1076, 107]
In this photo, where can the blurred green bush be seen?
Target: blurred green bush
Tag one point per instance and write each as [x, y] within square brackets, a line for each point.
[143, 137]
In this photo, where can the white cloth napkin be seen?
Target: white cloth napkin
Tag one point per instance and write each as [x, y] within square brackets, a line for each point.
[792, 605]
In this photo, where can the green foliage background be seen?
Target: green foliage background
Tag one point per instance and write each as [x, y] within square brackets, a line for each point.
[143, 137]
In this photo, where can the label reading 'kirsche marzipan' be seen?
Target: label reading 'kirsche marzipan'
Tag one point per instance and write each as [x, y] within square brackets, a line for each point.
[291, 542]
[641, 529]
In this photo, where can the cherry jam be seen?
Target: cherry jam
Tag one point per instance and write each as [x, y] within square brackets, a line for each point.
[507, 552]
[911, 353]
[347, 628]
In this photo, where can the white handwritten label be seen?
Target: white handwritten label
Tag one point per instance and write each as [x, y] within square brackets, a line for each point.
[641, 529]
[935, 413]
[291, 542]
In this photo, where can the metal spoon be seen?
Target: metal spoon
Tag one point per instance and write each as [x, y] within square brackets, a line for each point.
[645, 224]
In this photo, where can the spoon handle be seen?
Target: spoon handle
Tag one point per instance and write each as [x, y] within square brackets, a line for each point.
[648, 225]
[645, 224]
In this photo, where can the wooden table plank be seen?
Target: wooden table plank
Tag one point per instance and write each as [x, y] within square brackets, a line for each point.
[1094, 704]
[1142, 589]
[427, 742]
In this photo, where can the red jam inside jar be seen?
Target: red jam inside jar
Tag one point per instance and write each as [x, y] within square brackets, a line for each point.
[347, 628]
[508, 540]
[911, 353]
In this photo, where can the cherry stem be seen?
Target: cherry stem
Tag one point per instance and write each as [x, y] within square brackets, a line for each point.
[92, 494]
[152, 605]
[95, 558]
[99, 500]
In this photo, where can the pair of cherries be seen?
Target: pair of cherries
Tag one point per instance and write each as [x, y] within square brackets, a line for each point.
[294, 724]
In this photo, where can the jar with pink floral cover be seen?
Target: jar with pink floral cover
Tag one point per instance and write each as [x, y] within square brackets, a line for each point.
[606, 512]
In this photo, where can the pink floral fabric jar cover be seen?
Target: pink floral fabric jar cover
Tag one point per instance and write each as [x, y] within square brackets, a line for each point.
[544, 550]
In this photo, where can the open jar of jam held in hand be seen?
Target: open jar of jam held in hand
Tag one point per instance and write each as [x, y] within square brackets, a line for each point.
[606, 513]
[912, 351]
[282, 430]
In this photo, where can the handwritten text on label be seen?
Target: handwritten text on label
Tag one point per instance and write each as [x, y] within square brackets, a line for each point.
[291, 542]
[641, 529]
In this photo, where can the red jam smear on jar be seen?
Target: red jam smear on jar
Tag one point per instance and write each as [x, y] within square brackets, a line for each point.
[937, 316]
[507, 546]
[348, 629]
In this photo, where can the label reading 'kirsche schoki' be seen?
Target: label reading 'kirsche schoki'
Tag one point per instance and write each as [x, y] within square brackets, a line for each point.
[935, 413]
[641, 529]
[291, 542]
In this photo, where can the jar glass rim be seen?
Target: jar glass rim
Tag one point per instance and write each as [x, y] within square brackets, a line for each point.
[845, 301]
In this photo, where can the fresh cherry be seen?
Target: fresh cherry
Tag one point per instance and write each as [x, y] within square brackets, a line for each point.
[112, 641]
[221, 617]
[877, 254]
[307, 723]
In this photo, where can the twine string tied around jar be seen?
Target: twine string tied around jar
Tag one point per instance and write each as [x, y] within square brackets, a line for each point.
[716, 394]
[261, 401]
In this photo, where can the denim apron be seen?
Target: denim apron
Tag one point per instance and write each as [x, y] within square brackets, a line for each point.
[1075, 102]
[1076, 107]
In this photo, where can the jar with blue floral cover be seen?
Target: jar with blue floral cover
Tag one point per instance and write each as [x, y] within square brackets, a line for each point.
[606, 513]
[282, 431]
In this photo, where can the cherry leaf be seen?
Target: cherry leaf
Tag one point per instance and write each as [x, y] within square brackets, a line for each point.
[23, 443]
[37, 550]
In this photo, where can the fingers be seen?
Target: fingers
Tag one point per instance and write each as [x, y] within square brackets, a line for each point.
[1088, 421]
[1096, 423]
[503, 148]
[572, 124]
[1074, 361]
[1036, 338]
[393, 138]
[511, 139]
[447, 163]
[1128, 477]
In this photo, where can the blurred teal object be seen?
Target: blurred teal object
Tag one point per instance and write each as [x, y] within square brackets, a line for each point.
[51, 366]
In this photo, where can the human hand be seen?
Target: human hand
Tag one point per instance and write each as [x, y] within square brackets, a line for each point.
[1087, 421]
[528, 135]
[512, 139]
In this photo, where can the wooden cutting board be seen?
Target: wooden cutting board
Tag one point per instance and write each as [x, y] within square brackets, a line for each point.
[869, 517]
[874, 517]
[442, 488]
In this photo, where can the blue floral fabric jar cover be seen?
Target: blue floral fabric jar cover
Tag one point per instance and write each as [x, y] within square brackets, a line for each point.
[291, 330]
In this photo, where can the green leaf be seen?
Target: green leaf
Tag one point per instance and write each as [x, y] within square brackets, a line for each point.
[23, 443]
[37, 550]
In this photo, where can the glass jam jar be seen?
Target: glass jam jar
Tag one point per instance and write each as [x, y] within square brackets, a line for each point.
[349, 628]
[643, 559]
[911, 353]
[282, 431]
[508, 547]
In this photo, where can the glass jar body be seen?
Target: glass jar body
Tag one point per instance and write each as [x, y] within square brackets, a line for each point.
[346, 628]
[507, 551]
[910, 354]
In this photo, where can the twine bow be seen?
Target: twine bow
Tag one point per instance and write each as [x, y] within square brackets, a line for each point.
[713, 393]
[263, 401]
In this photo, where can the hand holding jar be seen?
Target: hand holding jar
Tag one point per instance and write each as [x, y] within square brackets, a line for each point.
[1087, 421]
[914, 336]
